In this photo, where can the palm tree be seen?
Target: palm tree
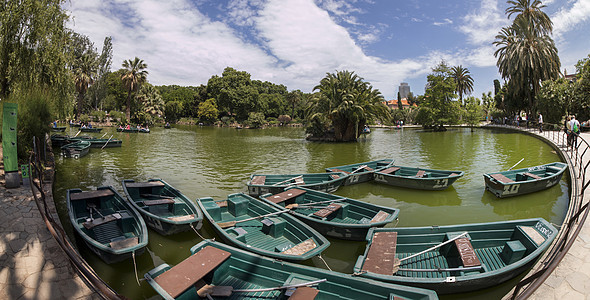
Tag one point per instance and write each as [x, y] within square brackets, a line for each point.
[463, 80]
[151, 99]
[84, 73]
[133, 77]
[526, 58]
[348, 103]
[530, 10]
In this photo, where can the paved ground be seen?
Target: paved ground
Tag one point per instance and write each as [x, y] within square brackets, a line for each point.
[32, 265]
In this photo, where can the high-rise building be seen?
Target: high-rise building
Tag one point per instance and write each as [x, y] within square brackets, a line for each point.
[404, 90]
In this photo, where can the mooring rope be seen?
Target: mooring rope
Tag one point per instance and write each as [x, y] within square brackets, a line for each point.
[325, 263]
[202, 238]
[135, 268]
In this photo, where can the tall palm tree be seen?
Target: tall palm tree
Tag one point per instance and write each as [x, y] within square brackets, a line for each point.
[463, 80]
[84, 73]
[526, 58]
[133, 77]
[151, 99]
[530, 10]
[348, 103]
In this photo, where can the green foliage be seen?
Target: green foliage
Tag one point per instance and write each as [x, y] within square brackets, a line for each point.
[348, 102]
[84, 118]
[463, 81]
[581, 91]
[34, 117]
[487, 104]
[98, 115]
[553, 100]
[133, 76]
[117, 116]
[284, 119]
[151, 101]
[317, 125]
[226, 121]
[256, 120]
[208, 112]
[473, 112]
[188, 96]
[173, 110]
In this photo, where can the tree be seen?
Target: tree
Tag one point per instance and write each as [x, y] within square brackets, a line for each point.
[553, 100]
[463, 81]
[133, 77]
[98, 90]
[527, 54]
[347, 103]
[294, 98]
[399, 101]
[438, 107]
[487, 104]
[172, 110]
[473, 112]
[255, 120]
[84, 73]
[208, 111]
[151, 100]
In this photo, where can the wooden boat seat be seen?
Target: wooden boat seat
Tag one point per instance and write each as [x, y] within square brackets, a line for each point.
[453, 174]
[301, 248]
[299, 180]
[91, 194]
[531, 175]
[501, 178]
[552, 169]
[222, 203]
[124, 243]
[420, 173]
[328, 210]
[286, 195]
[379, 217]
[338, 170]
[185, 274]
[381, 255]
[258, 180]
[334, 176]
[304, 293]
[467, 253]
[367, 168]
[144, 184]
[391, 170]
[100, 221]
[158, 202]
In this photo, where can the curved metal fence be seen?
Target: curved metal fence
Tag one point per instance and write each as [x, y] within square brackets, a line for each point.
[578, 158]
[41, 158]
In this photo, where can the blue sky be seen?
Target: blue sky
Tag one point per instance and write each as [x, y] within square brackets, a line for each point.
[296, 42]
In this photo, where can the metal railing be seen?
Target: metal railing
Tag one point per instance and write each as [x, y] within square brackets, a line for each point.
[578, 160]
[37, 163]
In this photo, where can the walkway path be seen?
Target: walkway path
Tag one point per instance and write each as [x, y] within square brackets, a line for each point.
[32, 265]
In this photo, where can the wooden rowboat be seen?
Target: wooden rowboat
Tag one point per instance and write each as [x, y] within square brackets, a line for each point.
[327, 182]
[256, 226]
[90, 129]
[97, 142]
[131, 129]
[469, 257]
[361, 172]
[75, 150]
[107, 223]
[417, 178]
[59, 129]
[58, 140]
[164, 208]
[220, 271]
[523, 181]
[333, 215]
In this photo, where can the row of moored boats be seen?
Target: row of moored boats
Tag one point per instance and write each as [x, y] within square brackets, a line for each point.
[289, 222]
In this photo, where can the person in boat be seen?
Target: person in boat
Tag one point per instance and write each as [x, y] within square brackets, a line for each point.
[54, 124]
[128, 126]
[89, 125]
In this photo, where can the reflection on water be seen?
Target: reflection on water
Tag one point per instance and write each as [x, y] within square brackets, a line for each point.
[215, 162]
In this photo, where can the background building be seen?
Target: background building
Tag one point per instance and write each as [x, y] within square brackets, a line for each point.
[404, 90]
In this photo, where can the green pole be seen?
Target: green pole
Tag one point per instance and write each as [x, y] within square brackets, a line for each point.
[9, 149]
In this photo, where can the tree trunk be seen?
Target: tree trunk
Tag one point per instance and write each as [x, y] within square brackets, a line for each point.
[79, 109]
[128, 108]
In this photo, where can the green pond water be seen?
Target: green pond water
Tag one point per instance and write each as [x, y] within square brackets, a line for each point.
[215, 162]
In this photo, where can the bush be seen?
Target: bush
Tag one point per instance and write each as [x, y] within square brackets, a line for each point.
[84, 118]
[255, 120]
[34, 118]
[284, 119]
[117, 116]
[98, 115]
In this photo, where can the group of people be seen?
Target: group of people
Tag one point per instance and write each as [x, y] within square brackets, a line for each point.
[572, 129]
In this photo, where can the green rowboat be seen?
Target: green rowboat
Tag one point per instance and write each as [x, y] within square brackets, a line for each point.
[256, 226]
[417, 178]
[469, 256]
[333, 215]
[97, 142]
[59, 129]
[107, 223]
[58, 140]
[361, 172]
[75, 150]
[327, 182]
[164, 208]
[524, 181]
[90, 129]
[222, 271]
[131, 129]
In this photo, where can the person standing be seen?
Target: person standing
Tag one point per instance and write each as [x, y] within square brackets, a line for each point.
[575, 128]
[540, 122]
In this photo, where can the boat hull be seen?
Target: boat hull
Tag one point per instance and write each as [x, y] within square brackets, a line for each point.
[550, 175]
[433, 180]
[270, 236]
[90, 129]
[251, 271]
[109, 226]
[351, 221]
[75, 150]
[59, 129]
[166, 219]
[503, 250]
[325, 182]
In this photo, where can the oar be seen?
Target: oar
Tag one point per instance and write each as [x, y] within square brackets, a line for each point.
[295, 205]
[516, 164]
[156, 196]
[105, 144]
[442, 270]
[103, 135]
[78, 133]
[357, 169]
[288, 180]
[398, 262]
[233, 223]
[225, 291]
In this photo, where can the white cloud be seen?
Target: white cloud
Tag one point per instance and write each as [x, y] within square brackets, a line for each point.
[481, 27]
[444, 22]
[567, 18]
